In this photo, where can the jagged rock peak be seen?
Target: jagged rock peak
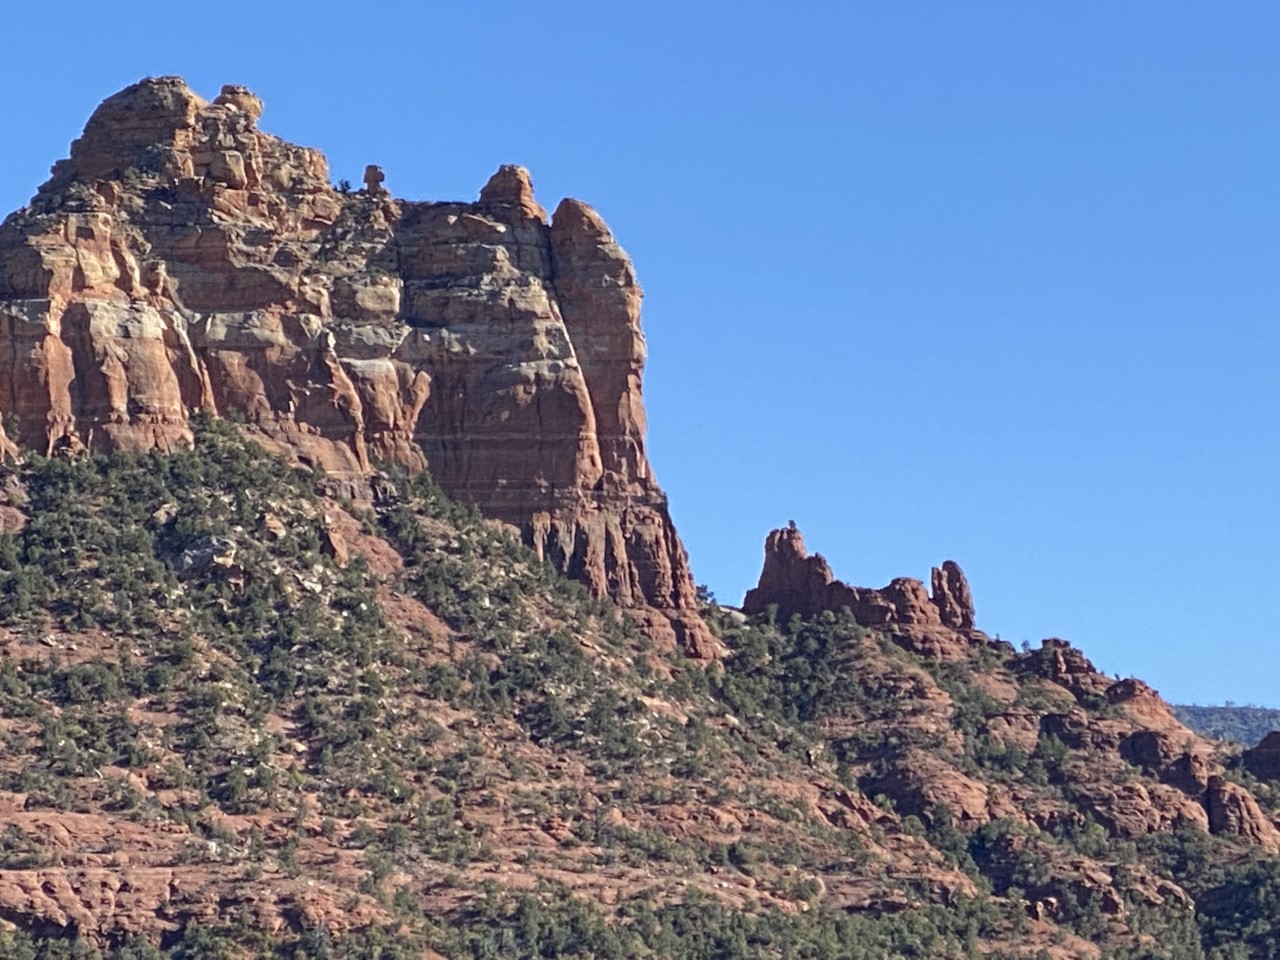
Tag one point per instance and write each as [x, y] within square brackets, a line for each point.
[131, 128]
[512, 186]
[785, 545]
[241, 98]
[182, 260]
[952, 597]
[798, 583]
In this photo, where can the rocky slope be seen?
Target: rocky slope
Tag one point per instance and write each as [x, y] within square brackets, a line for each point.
[182, 260]
[240, 717]
[273, 717]
[1054, 692]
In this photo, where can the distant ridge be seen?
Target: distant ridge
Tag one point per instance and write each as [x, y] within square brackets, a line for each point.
[1242, 723]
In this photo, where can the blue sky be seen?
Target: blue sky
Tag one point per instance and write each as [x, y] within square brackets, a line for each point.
[992, 281]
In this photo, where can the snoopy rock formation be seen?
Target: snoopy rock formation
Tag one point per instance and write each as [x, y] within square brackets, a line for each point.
[795, 583]
[181, 260]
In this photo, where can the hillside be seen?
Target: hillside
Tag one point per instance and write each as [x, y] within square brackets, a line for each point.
[238, 710]
[342, 616]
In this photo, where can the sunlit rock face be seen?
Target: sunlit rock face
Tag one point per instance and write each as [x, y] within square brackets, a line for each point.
[182, 260]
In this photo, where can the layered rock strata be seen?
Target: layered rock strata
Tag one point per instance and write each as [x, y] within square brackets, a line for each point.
[182, 260]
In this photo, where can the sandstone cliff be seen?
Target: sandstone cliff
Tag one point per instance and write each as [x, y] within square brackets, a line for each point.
[182, 260]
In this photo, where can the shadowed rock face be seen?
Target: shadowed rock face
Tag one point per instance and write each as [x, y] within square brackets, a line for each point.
[1233, 811]
[182, 260]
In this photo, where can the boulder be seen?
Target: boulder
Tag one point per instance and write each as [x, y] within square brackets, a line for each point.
[205, 552]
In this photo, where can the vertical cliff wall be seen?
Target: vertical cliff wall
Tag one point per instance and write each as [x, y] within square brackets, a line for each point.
[183, 260]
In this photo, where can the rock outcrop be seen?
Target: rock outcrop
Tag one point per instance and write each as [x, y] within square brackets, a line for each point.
[1118, 725]
[182, 260]
[952, 597]
[796, 583]
[1263, 761]
[1233, 811]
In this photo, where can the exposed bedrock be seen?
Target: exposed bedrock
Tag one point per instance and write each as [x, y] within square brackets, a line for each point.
[182, 260]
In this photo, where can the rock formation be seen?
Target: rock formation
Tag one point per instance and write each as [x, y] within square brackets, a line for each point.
[798, 583]
[1263, 761]
[1118, 725]
[182, 260]
[951, 596]
[234, 772]
[373, 180]
[1233, 811]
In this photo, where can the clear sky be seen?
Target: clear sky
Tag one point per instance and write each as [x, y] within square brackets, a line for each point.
[994, 281]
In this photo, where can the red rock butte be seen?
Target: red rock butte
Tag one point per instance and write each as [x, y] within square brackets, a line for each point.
[181, 260]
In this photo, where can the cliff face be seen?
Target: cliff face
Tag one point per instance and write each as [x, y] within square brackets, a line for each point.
[182, 260]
